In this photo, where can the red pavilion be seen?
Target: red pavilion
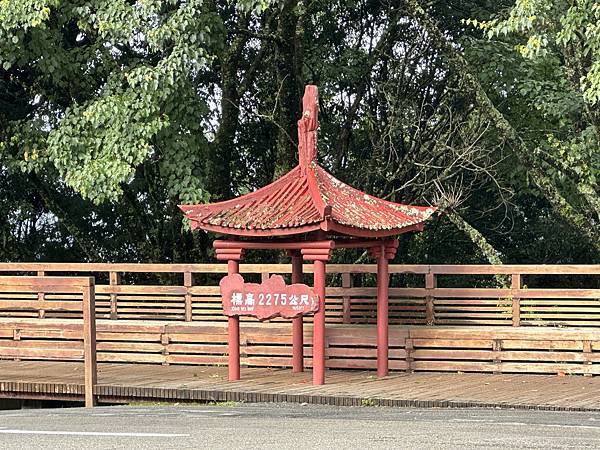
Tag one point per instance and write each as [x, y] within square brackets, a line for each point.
[310, 213]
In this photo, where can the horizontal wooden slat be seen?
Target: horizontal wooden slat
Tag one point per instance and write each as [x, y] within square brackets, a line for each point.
[220, 348]
[35, 304]
[42, 353]
[196, 359]
[140, 289]
[506, 269]
[135, 347]
[130, 357]
[559, 293]
[37, 288]
[476, 366]
[453, 343]
[44, 284]
[41, 344]
[116, 336]
[509, 269]
[520, 344]
[528, 302]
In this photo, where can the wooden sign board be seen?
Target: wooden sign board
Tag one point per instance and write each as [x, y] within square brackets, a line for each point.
[272, 298]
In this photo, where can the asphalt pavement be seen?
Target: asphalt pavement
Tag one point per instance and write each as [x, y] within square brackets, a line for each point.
[291, 426]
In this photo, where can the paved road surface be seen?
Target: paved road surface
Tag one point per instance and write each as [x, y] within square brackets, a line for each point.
[294, 427]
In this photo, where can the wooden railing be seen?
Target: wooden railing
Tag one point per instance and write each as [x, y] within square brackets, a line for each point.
[171, 314]
[431, 295]
[41, 297]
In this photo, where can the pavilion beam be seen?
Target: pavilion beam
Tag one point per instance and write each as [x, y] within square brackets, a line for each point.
[233, 257]
[297, 322]
[273, 245]
[298, 244]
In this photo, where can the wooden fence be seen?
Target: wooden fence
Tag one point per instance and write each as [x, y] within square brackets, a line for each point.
[38, 338]
[543, 319]
[438, 295]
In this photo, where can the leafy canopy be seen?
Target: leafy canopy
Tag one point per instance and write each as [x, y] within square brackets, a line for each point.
[111, 83]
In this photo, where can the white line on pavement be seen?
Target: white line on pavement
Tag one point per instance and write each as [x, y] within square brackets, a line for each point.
[90, 433]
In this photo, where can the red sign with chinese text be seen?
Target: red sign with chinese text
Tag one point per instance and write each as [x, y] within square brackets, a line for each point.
[272, 298]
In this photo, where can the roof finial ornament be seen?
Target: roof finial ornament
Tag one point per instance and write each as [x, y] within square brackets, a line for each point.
[307, 126]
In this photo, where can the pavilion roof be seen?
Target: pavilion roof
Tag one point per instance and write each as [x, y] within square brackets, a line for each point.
[306, 199]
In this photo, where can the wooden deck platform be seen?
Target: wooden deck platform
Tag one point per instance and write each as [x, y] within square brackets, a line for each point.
[123, 383]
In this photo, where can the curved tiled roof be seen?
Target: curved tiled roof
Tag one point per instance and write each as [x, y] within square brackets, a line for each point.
[286, 203]
[308, 198]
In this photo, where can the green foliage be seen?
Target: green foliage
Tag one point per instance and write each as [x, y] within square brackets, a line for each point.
[556, 79]
[112, 112]
[132, 64]
[544, 26]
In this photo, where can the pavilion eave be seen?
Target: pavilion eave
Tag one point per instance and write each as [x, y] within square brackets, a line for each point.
[326, 225]
[257, 232]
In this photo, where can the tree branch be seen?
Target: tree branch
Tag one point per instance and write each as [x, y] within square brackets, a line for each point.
[520, 149]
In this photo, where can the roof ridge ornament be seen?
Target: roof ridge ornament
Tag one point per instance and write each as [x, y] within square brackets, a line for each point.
[308, 126]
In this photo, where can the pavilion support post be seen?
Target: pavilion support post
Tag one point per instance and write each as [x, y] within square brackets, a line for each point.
[233, 329]
[383, 280]
[318, 356]
[298, 322]
[383, 253]
[320, 254]
[233, 257]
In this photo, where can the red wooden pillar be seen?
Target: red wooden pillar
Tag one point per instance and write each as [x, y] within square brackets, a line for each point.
[233, 257]
[233, 329]
[320, 253]
[383, 254]
[383, 281]
[319, 325]
[298, 322]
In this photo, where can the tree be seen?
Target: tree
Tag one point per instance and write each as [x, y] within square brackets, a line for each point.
[560, 84]
[113, 112]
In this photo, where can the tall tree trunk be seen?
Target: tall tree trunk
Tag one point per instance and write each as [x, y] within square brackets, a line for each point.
[489, 252]
[384, 45]
[288, 89]
[222, 150]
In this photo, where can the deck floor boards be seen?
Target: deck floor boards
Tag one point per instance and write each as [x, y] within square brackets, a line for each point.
[134, 382]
